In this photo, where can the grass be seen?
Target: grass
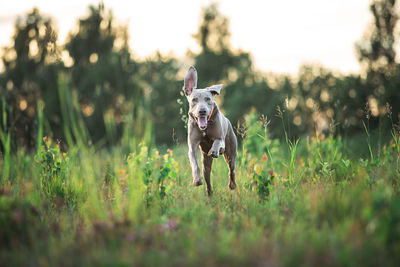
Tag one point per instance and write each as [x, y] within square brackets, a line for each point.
[312, 205]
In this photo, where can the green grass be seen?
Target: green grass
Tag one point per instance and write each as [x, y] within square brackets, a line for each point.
[297, 204]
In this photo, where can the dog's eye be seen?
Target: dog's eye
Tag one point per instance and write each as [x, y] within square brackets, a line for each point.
[195, 99]
[207, 99]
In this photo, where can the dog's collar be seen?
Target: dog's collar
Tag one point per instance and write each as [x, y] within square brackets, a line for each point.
[212, 111]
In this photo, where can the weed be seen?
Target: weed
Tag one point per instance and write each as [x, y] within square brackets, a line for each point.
[54, 183]
[159, 172]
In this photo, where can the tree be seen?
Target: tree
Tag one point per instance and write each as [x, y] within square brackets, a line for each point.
[219, 63]
[30, 75]
[377, 54]
[159, 75]
[104, 75]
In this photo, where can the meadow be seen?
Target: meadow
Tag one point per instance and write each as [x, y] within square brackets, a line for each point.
[312, 201]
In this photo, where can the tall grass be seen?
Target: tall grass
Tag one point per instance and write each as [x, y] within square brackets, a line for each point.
[74, 127]
[298, 202]
[40, 107]
[5, 138]
[292, 147]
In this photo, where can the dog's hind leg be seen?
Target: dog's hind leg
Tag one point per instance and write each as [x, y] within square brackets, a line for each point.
[207, 164]
[230, 156]
[230, 160]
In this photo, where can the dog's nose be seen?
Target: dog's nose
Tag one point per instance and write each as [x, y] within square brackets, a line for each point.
[202, 111]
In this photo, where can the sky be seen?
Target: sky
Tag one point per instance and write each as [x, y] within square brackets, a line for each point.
[280, 35]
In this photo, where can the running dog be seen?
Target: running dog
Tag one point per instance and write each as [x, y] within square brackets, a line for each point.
[209, 129]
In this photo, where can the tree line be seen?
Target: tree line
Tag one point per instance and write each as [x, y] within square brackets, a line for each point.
[92, 89]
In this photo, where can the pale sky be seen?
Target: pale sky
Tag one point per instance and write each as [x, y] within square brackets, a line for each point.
[281, 35]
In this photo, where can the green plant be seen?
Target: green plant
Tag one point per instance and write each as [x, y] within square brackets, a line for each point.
[257, 141]
[159, 172]
[367, 129]
[19, 222]
[5, 139]
[292, 145]
[261, 181]
[326, 159]
[54, 183]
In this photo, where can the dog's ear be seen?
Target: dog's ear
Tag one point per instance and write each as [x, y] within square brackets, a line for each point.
[215, 89]
[190, 82]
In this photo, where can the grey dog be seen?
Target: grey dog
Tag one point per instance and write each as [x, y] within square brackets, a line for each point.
[209, 129]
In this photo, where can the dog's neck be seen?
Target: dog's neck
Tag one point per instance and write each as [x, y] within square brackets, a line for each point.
[213, 114]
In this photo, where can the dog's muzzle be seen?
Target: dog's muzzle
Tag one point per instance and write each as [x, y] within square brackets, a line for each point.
[202, 122]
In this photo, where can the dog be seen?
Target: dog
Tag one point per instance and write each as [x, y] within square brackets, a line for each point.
[209, 129]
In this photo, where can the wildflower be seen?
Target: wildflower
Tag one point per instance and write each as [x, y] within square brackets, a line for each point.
[264, 158]
[165, 157]
[176, 164]
[250, 169]
[121, 172]
[300, 161]
[258, 169]
[171, 152]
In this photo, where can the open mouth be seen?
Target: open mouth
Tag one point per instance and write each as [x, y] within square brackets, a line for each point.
[202, 122]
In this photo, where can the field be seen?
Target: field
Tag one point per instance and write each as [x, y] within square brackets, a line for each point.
[312, 201]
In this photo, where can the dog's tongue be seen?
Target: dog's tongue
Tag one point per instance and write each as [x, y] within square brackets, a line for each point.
[202, 123]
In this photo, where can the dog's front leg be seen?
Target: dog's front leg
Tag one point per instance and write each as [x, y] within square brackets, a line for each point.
[194, 162]
[217, 148]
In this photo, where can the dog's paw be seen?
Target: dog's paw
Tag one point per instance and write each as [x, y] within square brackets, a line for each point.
[197, 182]
[232, 186]
[210, 192]
[213, 153]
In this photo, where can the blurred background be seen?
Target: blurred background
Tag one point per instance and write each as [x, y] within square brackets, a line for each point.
[108, 73]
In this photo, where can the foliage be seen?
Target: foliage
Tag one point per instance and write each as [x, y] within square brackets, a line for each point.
[257, 140]
[95, 92]
[261, 181]
[159, 74]
[19, 222]
[142, 209]
[103, 75]
[305, 195]
[54, 182]
[159, 172]
[377, 54]
[5, 141]
[30, 74]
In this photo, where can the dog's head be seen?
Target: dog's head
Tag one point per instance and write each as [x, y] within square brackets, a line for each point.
[201, 101]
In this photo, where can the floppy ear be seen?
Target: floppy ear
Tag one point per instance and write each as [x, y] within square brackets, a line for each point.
[215, 89]
[190, 82]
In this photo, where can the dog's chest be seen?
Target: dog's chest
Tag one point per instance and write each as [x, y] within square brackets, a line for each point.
[206, 143]
[205, 137]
